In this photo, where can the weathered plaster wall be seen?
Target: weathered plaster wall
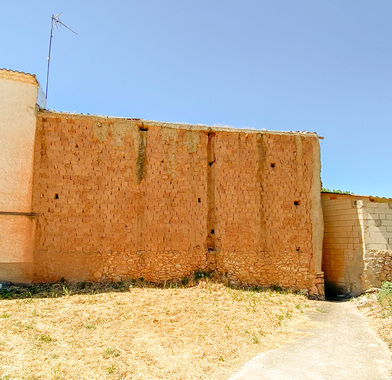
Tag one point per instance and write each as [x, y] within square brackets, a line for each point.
[357, 247]
[121, 198]
[18, 94]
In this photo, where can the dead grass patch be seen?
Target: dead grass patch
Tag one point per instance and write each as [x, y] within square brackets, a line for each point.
[378, 315]
[137, 331]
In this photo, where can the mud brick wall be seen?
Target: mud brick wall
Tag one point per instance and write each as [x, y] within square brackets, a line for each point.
[118, 198]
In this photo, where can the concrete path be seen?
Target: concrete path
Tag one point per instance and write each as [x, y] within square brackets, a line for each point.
[344, 348]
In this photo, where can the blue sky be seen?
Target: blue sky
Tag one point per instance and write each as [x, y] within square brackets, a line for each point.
[314, 65]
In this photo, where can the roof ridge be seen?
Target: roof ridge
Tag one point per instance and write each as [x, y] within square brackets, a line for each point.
[19, 73]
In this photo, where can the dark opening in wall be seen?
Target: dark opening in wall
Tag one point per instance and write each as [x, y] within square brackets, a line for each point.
[143, 128]
[199, 200]
[212, 232]
[56, 196]
[297, 203]
[272, 164]
[76, 146]
[297, 249]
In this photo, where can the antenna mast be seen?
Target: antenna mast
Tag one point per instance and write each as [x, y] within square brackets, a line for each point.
[54, 22]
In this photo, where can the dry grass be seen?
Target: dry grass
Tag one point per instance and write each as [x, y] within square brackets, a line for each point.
[136, 331]
[378, 315]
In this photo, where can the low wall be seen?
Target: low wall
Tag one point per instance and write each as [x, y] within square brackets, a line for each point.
[357, 241]
[118, 198]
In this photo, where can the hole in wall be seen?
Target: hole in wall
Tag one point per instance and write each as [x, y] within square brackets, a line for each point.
[212, 232]
[297, 249]
[272, 164]
[210, 163]
[199, 200]
[76, 146]
[162, 161]
[143, 128]
[297, 203]
[56, 196]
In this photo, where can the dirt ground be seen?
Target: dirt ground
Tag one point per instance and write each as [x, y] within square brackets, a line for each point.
[135, 330]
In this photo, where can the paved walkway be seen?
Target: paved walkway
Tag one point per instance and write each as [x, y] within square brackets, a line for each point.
[345, 348]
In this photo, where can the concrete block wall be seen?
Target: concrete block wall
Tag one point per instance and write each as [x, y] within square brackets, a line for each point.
[377, 222]
[118, 198]
[343, 246]
[357, 237]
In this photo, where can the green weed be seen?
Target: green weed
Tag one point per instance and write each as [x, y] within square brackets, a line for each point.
[111, 369]
[110, 352]
[385, 295]
[46, 338]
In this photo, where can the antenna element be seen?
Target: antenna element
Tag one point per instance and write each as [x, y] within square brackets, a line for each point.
[54, 22]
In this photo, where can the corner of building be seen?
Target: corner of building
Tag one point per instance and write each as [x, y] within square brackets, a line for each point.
[18, 99]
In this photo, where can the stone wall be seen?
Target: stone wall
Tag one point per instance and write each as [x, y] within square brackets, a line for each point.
[357, 241]
[118, 198]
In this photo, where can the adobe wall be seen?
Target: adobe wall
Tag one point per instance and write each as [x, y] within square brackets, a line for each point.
[357, 246]
[119, 198]
[18, 95]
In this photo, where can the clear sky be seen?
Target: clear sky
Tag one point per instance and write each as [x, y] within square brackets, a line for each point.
[294, 65]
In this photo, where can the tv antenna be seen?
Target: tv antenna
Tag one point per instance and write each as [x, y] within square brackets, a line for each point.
[57, 23]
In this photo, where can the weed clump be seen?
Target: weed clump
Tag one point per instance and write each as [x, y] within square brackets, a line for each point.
[110, 352]
[200, 274]
[385, 295]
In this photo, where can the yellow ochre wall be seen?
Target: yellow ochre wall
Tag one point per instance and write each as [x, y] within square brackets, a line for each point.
[18, 95]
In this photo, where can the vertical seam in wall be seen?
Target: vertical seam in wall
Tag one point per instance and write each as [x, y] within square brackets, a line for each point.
[211, 192]
[316, 211]
[260, 170]
[141, 156]
[141, 172]
[360, 208]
